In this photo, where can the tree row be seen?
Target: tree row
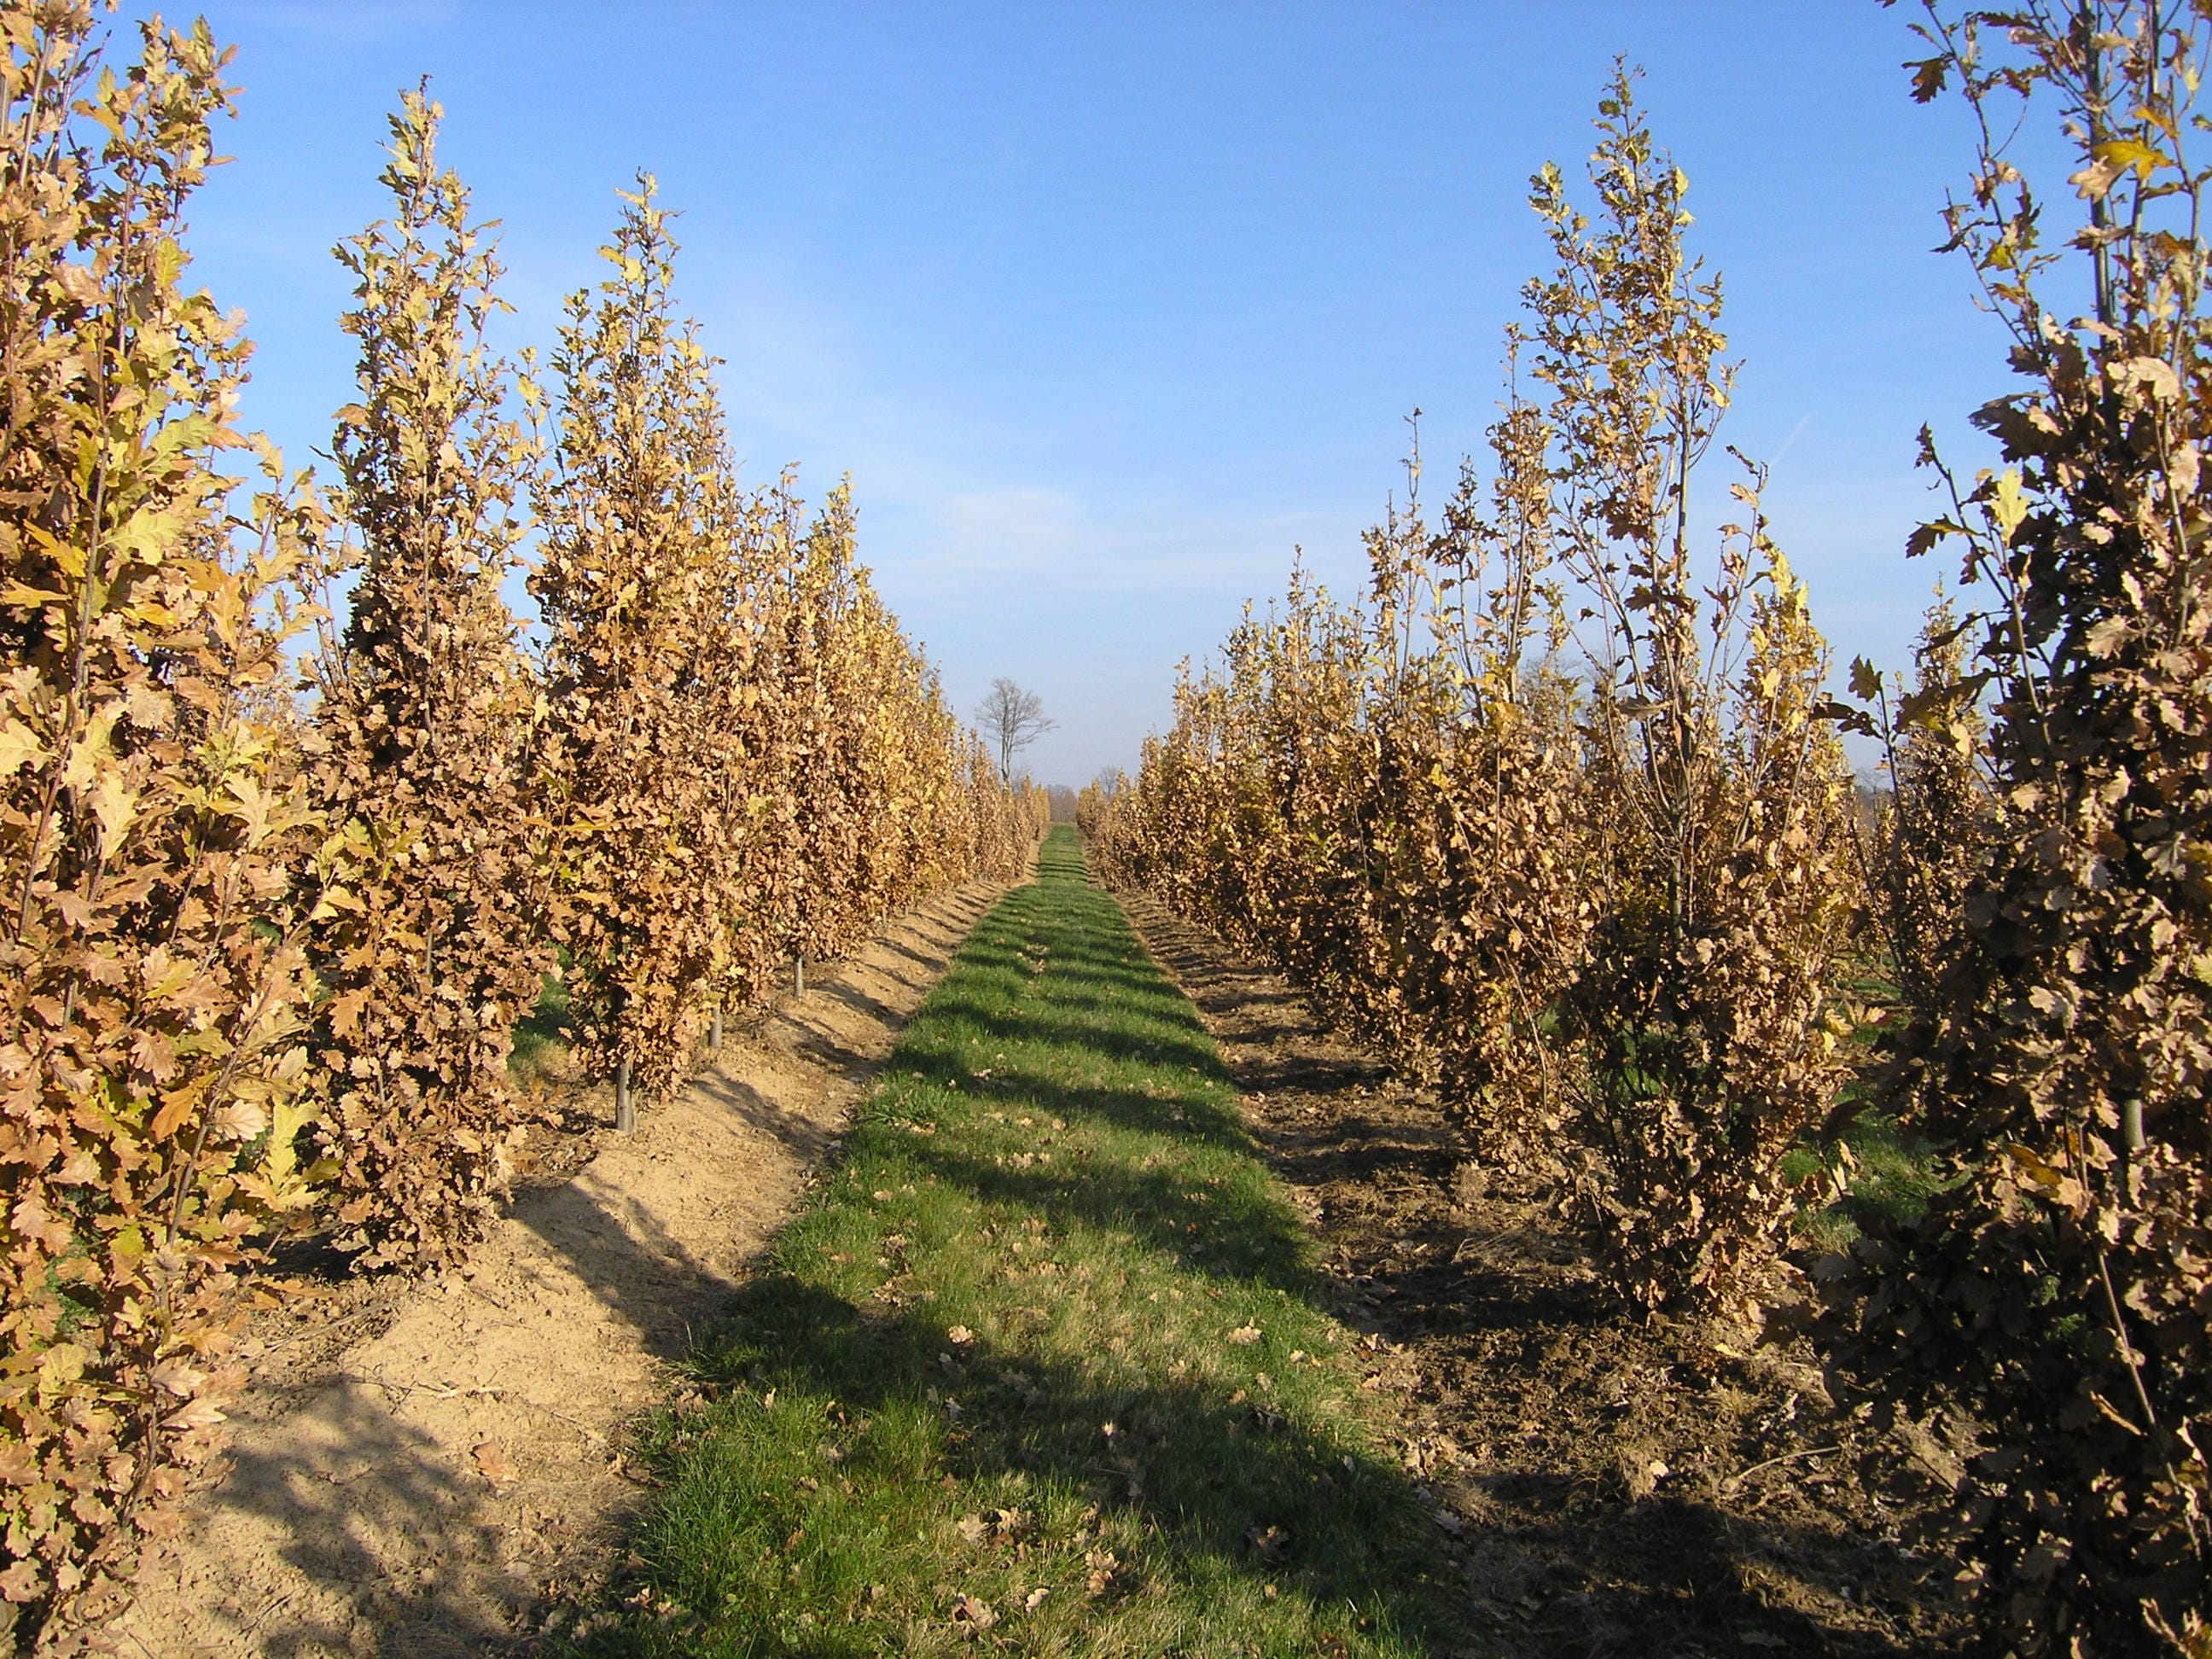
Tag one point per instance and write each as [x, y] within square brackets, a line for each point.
[1557, 813]
[297, 816]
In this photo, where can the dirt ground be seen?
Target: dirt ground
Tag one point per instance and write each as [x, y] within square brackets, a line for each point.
[416, 1471]
[1610, 1486]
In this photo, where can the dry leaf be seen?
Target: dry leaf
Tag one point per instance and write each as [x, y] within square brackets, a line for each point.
[1103, 1564]
[493, 1464]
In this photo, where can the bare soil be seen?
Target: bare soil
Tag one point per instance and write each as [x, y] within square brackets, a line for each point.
[1611, 1485]
[419, 1470]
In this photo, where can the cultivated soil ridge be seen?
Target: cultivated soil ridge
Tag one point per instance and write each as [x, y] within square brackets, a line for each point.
[1609, 1485]
[428, 1487]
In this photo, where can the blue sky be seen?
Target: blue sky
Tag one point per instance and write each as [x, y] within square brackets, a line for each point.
[1105, 307]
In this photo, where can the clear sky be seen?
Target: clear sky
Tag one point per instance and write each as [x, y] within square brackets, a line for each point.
[1105, 307]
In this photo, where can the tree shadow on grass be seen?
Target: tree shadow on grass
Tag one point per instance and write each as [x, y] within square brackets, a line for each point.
[1224, 1491]
[1209, 1230]
[1058, 1023]
[1188, 1117]
[1539, 1397]
[853, 1428]
[1227, 1494]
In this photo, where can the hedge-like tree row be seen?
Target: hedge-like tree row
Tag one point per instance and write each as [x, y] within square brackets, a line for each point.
[1551, 811]
[1563, 822]
[295, 819]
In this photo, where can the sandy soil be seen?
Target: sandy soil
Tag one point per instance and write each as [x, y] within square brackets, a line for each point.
[416, 1471]
[1611, 1486]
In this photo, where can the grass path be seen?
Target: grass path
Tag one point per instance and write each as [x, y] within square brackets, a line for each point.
[1042, 1368]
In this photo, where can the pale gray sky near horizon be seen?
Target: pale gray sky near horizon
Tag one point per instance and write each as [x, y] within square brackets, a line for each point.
[1106, 306]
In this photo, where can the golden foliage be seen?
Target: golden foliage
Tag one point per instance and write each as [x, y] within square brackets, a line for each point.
[426, 928]
[2054, 1295]
[1592, 881]
[631, 583]
[229, 933]
[1718, 798]
[745, 761]
[1936, 828]
[151, 818]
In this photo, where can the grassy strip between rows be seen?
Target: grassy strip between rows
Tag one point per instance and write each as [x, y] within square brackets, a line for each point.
[1040, 1369]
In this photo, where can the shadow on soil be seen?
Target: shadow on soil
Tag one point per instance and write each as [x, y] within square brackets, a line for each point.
[635, 1267]
[305, 1486]
[1546, 1560]
[1524, 1363]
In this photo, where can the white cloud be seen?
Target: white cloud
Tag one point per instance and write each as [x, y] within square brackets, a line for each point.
[968, 535]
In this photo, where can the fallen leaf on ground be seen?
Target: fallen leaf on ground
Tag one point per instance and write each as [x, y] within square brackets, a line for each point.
[493, 1464]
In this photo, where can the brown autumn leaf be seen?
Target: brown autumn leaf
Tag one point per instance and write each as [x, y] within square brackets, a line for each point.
[1103, 1564]
[420, 757]
[2065, 1098]
[493, 1464]
[310, 923]
[747, 762]
[973, 1614]
[1524, 884]
[150, 815]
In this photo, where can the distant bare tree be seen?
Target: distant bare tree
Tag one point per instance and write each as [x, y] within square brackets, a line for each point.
[1012, 718]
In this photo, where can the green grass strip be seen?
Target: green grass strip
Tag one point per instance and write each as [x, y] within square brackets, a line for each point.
[1040, 1369]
